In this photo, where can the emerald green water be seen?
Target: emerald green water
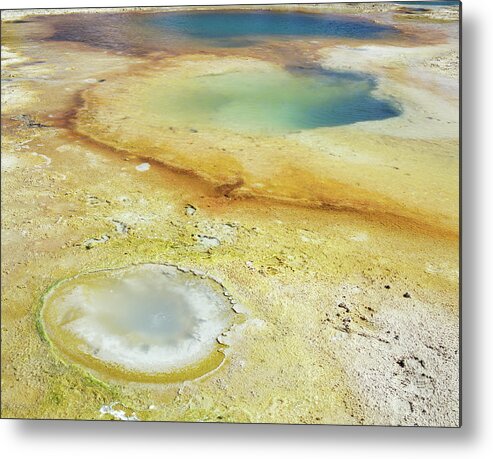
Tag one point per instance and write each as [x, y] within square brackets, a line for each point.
[269, 101]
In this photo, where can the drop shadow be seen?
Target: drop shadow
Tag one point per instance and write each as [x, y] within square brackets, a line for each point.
[470, 229]
[69, 431]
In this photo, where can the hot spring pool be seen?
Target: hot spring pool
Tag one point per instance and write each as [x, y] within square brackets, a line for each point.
[213, 28]
[223, 27]
[141, 323]
[271, 100]
[295, 95]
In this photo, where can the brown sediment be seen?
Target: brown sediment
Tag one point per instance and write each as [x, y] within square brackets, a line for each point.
[226, 195]
[225, 175]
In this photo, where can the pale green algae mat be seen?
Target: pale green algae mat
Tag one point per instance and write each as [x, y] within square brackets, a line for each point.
[232, 214]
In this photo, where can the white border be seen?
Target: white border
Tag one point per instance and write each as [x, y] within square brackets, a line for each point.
[51, 439]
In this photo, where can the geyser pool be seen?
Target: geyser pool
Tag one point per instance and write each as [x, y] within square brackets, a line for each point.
[269, 99]
[223, 26]
[146, 322]
[214, 28]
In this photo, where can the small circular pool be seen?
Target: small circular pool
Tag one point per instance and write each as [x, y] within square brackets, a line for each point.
[144, 323]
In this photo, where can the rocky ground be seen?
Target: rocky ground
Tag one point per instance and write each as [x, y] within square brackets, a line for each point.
[347, 268]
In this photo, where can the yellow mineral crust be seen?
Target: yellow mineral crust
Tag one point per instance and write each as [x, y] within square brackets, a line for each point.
[394, 172]
[340, 244]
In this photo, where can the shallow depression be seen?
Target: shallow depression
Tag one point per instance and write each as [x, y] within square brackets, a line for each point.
[139, 322]
[270, 100]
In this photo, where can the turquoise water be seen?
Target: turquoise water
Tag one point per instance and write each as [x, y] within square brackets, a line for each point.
[254, 25]
[274, 101]
[169, 31]
[271, 101]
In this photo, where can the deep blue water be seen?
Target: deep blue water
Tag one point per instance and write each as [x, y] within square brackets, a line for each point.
[263, 24]
[304, 97]
[355, 102]
[168, 31]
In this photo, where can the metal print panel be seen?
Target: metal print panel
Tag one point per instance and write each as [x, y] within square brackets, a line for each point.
[244, 214]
